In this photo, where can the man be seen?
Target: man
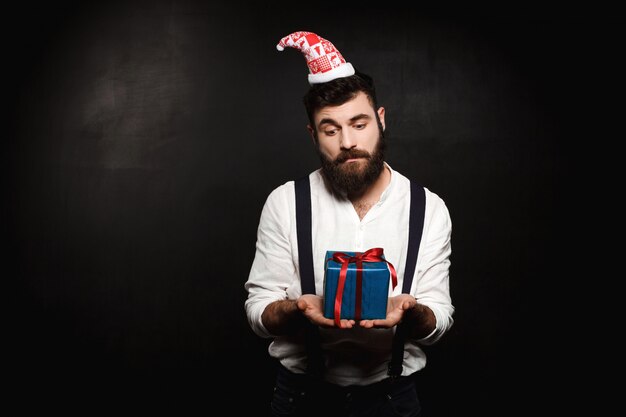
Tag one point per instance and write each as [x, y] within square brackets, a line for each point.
[357, 202]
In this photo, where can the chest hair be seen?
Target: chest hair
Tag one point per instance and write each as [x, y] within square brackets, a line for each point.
[362, 207]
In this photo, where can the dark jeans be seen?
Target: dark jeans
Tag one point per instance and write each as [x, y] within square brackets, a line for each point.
[298, 395]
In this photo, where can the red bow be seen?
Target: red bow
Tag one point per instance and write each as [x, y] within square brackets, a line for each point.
[371, 255]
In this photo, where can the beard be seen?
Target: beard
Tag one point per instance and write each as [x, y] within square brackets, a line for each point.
[353, 178]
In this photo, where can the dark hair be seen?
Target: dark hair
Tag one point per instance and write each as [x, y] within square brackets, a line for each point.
[337, 92]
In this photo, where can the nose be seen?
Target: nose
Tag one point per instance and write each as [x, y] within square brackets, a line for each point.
[348, 141]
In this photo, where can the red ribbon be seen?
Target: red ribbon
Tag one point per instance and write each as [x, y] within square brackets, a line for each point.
[371, 255]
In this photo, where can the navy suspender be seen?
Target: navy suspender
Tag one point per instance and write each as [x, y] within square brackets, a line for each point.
[416, 225]
[307, 277]
[303, 228]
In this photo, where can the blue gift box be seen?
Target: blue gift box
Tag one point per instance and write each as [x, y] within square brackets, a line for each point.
[374, 288]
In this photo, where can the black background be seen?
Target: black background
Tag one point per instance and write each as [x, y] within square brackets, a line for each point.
[144, 138]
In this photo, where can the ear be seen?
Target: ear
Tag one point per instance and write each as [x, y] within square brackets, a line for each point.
[381, 116]
[312, 133]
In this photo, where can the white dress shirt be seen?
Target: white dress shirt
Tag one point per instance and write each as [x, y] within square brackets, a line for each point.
[354, 356]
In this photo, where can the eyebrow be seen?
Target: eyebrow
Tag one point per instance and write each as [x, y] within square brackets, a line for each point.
[328, 120]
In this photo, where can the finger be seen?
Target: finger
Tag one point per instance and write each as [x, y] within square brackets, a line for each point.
[301, 304]
[346, 324]
[381, 323]
[323, 321]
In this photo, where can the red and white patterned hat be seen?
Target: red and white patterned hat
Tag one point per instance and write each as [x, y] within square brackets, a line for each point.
[324, 60]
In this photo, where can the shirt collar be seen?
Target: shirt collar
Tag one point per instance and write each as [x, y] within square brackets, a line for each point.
[392, 183]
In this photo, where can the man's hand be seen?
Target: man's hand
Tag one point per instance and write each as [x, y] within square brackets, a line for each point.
[311, 307]
[396, 307]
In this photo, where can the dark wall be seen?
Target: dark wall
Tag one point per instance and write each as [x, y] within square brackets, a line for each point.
[145, 137]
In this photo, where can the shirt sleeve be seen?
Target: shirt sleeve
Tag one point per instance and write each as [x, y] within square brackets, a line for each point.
[273, 270]
[431, 282]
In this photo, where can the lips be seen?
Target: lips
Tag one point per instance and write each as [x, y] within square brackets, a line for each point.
[352, 156]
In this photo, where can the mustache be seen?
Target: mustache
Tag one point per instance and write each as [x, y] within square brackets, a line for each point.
[352, 154]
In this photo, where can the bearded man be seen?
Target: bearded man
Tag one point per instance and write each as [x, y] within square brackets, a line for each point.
[357, 202]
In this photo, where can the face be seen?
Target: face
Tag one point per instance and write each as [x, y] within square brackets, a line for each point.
[350, 143]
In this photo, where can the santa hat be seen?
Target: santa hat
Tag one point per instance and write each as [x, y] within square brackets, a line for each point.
[324, 60]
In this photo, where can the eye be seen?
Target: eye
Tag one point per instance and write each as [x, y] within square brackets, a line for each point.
[359, 126]
[330, 132]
